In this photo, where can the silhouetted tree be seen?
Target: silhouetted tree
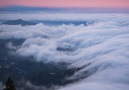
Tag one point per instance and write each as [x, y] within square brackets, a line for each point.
[9, 85]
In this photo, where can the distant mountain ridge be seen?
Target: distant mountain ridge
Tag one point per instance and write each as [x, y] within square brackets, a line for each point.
[15, 8]
[71, 10]
[18, 22]
[25, 9]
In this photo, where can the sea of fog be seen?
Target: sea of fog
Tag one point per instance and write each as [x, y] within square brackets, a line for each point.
[97, 44]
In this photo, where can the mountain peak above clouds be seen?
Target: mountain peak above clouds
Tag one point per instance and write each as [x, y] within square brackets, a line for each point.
[18, 22]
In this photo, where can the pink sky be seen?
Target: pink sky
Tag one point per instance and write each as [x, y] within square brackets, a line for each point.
[68, 3]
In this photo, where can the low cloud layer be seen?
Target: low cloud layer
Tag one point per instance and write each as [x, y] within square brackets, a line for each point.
[102, 47]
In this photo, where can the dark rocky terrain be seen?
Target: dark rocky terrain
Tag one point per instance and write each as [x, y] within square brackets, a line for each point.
[22, 69]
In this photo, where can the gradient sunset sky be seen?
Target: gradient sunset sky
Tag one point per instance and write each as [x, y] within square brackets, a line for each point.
[68, 3]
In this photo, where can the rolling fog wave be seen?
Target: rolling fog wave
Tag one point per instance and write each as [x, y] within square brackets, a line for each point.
[101, 48]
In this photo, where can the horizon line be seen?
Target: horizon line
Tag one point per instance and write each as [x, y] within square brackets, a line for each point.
[61, 7]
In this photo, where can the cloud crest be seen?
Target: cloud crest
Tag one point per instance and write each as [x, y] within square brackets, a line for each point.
[104, 45]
